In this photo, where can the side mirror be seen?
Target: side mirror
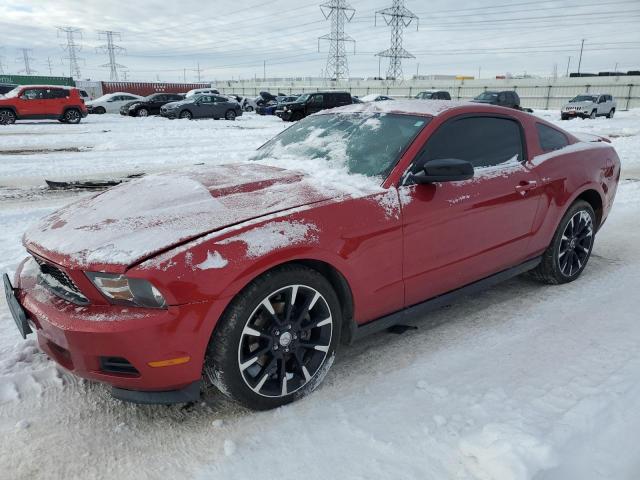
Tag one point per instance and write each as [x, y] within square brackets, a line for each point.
[445, 170]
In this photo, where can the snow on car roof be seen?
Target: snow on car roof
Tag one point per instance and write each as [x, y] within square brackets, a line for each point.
[417, 107]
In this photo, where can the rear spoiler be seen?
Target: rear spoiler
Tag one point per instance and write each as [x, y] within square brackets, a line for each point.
[587, 137]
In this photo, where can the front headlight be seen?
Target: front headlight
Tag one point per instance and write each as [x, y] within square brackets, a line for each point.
[121, 290]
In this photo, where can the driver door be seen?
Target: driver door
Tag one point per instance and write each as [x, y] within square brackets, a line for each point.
[456, 233]
[31, 103]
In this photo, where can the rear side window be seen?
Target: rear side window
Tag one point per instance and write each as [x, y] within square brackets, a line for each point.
[483, 141]
[551, 139]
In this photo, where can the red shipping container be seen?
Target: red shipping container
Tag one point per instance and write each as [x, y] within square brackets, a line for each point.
[147, 88]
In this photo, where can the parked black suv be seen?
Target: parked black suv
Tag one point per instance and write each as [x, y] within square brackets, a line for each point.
[149, 105]
[506, 98]
[309, 103]
[434, 95]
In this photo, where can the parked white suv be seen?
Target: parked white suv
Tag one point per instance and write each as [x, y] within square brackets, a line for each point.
[589, 105]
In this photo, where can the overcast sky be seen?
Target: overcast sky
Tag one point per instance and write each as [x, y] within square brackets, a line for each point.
[233, 39]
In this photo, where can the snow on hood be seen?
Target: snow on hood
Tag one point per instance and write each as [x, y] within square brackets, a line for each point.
[138, 219]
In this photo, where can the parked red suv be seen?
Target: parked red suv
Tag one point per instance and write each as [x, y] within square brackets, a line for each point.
[349, 222]
[41, 102]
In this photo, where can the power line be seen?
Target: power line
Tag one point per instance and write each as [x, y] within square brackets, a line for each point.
[398, 17]
[110, 49]
[27, 59]
[72, 49]
[339, 11]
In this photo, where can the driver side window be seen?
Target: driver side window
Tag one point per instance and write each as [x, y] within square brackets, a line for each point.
[32, 94]
[482, 141]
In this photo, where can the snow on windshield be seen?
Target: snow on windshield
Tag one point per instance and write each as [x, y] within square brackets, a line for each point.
[343, 148]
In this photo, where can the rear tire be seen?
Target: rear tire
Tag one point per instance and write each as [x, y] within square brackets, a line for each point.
[7, 117]
[611, 113]
[248, 108]
[72, 116]
[277, 339]
[230, 115]
[570, 249]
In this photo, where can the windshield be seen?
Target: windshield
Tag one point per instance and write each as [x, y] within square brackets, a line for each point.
[366, 144]
[583, 98]
[12, 93]
[487, 96]
[303, 97]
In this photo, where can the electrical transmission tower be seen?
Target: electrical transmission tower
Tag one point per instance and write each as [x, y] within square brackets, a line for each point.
[72, 49]
[339, 11]
[397, 17]
[27, 59]
[110, 49]
[1, 62]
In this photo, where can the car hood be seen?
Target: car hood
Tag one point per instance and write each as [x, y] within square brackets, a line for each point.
[138, 219]
[579, 104]
[289, 104]
[178, 103]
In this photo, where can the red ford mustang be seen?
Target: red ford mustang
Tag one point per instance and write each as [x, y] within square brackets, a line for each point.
[249, 276]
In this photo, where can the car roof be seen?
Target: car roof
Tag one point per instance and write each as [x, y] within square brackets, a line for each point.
[418, 107]
[64, 87]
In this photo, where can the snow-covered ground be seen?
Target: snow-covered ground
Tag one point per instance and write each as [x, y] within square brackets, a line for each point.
[521, 381]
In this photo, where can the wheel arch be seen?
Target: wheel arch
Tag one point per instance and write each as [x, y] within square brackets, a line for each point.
[11, 108]
[593, 198]
[333, 275]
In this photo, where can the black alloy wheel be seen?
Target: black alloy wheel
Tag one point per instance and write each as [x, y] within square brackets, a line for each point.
[72, 116]
[7, 117]
[575, 244]
[566, 257]
[277, 340]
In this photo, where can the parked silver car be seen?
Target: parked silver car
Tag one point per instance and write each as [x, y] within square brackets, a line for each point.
[589, 105]
[202, 106]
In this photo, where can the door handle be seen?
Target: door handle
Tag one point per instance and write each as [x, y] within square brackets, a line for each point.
[523, 187]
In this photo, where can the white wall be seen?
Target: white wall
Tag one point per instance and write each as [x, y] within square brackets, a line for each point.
[534, 92]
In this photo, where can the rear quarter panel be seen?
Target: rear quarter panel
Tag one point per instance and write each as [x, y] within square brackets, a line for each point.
[567, 173]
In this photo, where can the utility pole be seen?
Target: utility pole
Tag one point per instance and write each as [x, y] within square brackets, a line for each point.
[72, 49]
[125, 75]
[580, 60]
[418, 70]
[198, 71]
[49, 65]
[568, 63]
[110, 49]
[264, 70]
[479, 70]
[397, 17]
[184, 75]
[339, 11]
[615, 69]
[27, 59]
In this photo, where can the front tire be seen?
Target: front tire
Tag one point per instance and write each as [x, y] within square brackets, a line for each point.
[593, 115]
[248, 108]
[611, 113]
[277, 339]
[143, 112]
[99, 110]
[72, 116]
[570, 249]
[186, 114]
[230, 115]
